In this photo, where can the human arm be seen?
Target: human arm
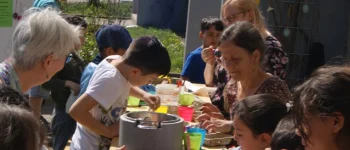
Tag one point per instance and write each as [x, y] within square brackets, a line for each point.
[103, 90]
[152, 100]
[80, 112]
[57, 84]
[209, 75]
[210, 60]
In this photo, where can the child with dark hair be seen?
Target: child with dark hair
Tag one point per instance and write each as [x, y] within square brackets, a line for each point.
[211, 29]
[80, 22]
[20, 130]
[12, 97]
[98, 110]
[111, 40]
[321, 107]
[76, 20]
[285, 136]
[255, 119]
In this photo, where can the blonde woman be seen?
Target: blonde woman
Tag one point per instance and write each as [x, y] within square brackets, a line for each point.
[274, 62]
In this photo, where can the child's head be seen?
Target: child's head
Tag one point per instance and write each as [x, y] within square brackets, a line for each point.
[322, 109]
[12, 97]
[19, 129]
[255, 119]
[211, 29]
[148, 59]
[112, 40]
[78, 21]
[285, 137]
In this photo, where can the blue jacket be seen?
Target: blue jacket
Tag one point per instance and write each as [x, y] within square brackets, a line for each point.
[87, 74]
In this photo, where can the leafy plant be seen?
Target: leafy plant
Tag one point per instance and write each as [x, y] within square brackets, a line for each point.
[168, 38]
[98, 13]
[104, 10]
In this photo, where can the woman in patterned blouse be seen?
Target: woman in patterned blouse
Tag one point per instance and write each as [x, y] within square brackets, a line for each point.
[275, 60]
[243, 48]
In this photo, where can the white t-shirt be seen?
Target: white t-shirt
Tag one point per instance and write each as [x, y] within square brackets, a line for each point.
[111, 90]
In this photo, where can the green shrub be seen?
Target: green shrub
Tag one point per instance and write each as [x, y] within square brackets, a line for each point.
[168, 38]
[110, 10]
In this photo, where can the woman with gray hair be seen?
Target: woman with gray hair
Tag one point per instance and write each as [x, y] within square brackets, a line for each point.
[41, 43]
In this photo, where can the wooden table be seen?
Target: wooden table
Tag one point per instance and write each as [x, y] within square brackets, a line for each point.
[114, 145]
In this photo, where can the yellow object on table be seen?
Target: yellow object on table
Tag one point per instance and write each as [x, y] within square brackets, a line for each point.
[162, 109]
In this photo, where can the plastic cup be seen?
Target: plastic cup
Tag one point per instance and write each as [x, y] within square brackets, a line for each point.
[186, 99]
[193, 141]
[133, 101]
[152, 92]
[186, 113]
[162, 109]
[200, 131]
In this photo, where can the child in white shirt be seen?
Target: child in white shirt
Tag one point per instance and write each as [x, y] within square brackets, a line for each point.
[98, 110]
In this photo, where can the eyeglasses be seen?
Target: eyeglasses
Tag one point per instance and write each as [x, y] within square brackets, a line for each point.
[233, 17]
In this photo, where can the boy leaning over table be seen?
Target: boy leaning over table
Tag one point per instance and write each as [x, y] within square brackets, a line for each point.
[98, 110]
[111, 40]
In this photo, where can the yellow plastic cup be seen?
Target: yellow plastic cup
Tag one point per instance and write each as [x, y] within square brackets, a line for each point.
[133, 101]
[162, 109]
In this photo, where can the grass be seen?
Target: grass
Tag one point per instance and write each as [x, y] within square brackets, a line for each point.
[168, 38]
[121, 10]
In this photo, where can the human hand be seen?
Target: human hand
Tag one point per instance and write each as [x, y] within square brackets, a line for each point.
[153, 101]
[217, 125]
[212, 111]
[73, 86]
[208, 55]
[113, 130]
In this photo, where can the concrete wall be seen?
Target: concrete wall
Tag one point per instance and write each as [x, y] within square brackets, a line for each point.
[198, 9]
[6, 33]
